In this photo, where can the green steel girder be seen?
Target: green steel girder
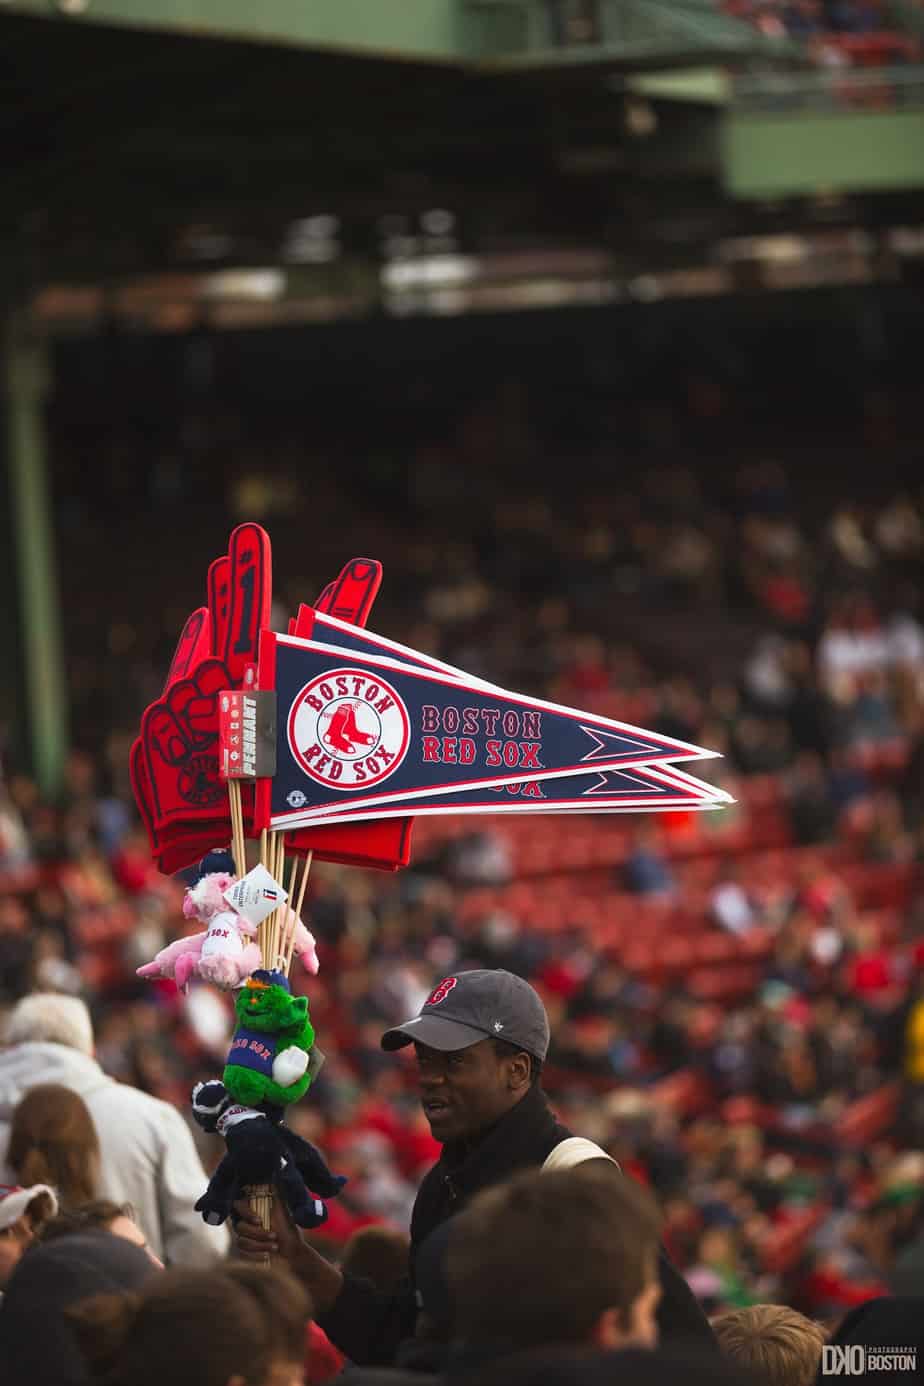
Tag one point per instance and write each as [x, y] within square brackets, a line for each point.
[517, 35]
[479, 35]
[418, 30]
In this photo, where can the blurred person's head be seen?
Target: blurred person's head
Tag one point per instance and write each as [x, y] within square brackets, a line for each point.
[234, 1326]
[773, 1344]
[53, 1141]
[35, 1332]
[554, 1258]
[717, 1247]
[52, 1019]
[480, 1040]
[99, 1215]
[379, 1254]
[23, 1215]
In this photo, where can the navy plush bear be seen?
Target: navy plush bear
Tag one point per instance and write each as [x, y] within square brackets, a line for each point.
[260, 1150]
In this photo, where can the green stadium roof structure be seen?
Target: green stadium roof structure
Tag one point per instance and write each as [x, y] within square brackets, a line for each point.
[127, 121]
[500, 34]
[151, 136]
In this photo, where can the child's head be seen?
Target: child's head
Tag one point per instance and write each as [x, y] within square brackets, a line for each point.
[773, 1344]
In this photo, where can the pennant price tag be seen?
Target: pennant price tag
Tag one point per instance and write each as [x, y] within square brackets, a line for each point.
[256, 895]
[246, 732]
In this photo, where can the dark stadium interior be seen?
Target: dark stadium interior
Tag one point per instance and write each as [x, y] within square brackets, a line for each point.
[122, 142]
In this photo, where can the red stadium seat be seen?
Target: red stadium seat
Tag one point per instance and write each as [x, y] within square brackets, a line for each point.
[716, 949]
[686, 1092]
[786, 1244]
[869, 1117]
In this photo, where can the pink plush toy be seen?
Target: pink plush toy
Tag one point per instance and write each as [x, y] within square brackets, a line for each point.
[226, 953]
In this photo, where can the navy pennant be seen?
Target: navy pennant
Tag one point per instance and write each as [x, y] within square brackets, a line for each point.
[357, 730]
[644, 789]
[612, 791]
[322, 627]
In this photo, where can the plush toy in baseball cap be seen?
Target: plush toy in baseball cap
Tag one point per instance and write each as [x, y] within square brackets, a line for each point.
[271, 1064]
[271, 1050]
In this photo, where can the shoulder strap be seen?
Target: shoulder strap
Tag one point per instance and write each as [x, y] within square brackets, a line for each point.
[574, 1151]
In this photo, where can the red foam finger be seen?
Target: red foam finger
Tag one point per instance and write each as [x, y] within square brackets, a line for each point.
[165, 734]
[181, 854]
[142, 791]
[304, 622]
[180, 740]
[250, 584]
[177, 847]
[384, 844]
[351, 596]
[193, 646]
[201, 708]
[323, 602]
[219, 603]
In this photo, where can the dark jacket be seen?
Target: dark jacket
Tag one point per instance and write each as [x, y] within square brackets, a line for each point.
[885, 1325]
[571, 1366]
[37, 1343]
[368, 1326]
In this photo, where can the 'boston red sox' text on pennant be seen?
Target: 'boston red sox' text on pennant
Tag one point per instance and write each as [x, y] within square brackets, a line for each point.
[356, 731]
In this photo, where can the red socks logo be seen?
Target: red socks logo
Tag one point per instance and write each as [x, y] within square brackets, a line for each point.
[442, 991]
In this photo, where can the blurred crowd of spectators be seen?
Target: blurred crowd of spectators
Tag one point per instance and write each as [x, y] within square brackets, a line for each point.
[773, 1093]
[837, 33]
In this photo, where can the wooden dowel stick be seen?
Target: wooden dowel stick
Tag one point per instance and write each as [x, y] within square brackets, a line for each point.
[288, 919]
[261, 1203]
[237, 827]
[263, 930]
[298, 910]
[240, 829]
[234, 799]
[280, 875]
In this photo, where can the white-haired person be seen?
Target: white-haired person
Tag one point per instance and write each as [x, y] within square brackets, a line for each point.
[147, 1154]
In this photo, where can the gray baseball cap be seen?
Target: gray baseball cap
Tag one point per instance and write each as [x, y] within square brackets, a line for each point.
[472, 1005]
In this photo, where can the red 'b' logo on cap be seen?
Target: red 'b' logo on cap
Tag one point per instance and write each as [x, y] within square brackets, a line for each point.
[442, 991]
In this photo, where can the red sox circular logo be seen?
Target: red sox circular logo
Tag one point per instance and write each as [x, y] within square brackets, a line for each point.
[442, 991]
[348, 730]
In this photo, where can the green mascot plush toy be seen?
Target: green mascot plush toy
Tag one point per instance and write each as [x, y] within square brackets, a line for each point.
[271, 1064]
[269, 1061]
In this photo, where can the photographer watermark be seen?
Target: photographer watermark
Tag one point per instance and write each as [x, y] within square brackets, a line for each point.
[856, 1360]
